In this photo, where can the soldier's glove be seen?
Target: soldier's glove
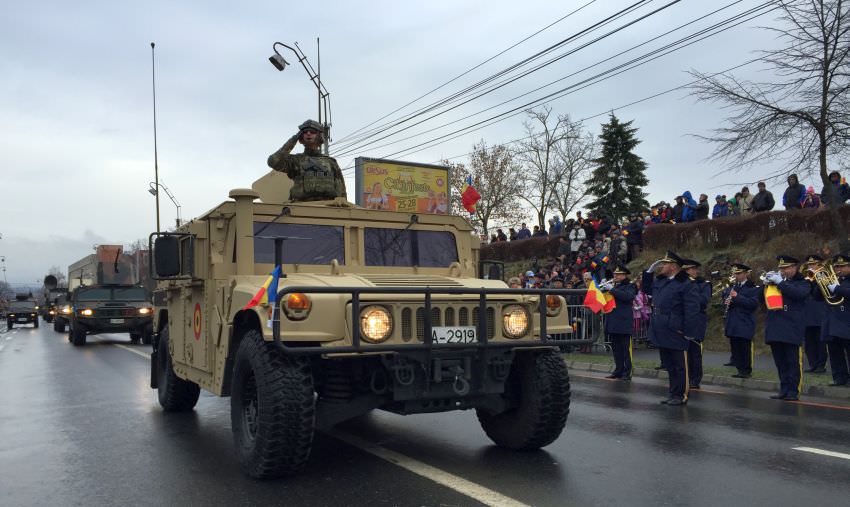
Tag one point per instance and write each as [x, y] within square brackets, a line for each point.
[652, 266]
[775, 278]
[832, 287]
[606, 286]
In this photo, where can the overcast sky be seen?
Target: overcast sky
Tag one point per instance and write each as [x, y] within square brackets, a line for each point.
[76, 130]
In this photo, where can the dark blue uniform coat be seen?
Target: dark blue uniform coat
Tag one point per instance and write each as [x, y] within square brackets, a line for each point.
[837, 320]
[788, 325]
[740, 318]
[815, 307]
[620, 320]
[702, 289]
[675, 309]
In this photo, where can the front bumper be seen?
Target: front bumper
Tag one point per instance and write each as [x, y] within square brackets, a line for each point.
[538, 337]
[112, 324]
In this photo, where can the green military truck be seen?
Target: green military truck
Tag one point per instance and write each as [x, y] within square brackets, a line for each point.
[22, 310]
[373, 310]
[105, 299]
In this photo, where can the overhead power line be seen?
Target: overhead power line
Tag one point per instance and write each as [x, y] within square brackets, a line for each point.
[452, 80]
[616, 70]
[495, 76]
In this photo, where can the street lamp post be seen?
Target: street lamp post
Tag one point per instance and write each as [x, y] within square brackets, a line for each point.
[154, 192]
[280, 63]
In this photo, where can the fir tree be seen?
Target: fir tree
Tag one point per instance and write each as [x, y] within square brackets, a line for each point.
[616, 184]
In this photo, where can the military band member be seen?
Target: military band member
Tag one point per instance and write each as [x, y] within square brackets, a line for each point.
[702, 288]
[786, 326]
[815, 312]
[836, 326]
[620, 321]
[741, 300]
[675, 315]
[315, 177]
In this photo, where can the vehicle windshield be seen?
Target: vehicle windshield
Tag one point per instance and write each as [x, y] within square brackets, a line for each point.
[400, 247]
[112, 294]
[21, 306]
[322, 243]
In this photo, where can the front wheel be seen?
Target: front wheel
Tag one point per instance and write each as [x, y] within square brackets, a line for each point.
[78, 336]
[272, 409]
[175, 394]
[147, 337]
[538, 388]
[9, 324]
[35, 323]
[59, 327]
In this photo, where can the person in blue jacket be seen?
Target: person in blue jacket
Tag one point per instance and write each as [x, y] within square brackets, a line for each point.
[815, 312]
[702, 288]
[741, 300]
[674, 321]
[785, 327]
[721, 208]
[620, 321]
[690, 209]
[836, 326]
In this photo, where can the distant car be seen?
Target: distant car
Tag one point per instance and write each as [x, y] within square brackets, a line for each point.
[22, 312]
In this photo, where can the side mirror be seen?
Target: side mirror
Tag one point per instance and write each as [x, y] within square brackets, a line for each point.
[173, 255]
[167, 256]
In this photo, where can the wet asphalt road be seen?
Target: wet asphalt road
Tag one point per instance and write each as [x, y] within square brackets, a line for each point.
[79, 426]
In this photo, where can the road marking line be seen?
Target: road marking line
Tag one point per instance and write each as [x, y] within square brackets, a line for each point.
[468, 488]
[816, 404]
[2, 347]
[134, 351]
[822, 452]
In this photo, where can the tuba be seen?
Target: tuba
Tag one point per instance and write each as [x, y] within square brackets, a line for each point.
[824, 276]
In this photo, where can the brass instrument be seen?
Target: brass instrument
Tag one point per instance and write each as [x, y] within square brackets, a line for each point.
[824, 276]
[720, 286]
[763, 277]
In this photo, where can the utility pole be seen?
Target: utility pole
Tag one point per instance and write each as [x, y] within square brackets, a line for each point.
[155, 158]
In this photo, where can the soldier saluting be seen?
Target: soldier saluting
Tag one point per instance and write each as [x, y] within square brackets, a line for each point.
[675, 316]
[315, 177]
[785, 325]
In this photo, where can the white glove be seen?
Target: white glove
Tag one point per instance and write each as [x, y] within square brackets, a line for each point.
[653, 266]
[775, 278]
[606, 286]
[832, 287]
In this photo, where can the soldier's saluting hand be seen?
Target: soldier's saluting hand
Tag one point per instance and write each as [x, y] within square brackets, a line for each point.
[315, 177]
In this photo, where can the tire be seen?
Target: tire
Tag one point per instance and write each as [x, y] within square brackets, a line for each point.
[35, 323]
[147, 337]
[272, 409]
[59, 327]
[540, 384]
[135, 337]
[77, 337]
[9, 324]
[174, 393]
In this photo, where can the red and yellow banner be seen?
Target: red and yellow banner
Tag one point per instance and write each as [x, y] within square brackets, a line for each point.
[773, 297]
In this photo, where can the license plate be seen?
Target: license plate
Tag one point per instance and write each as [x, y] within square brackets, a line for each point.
[116, 321]
[453, 334]
[21, 319]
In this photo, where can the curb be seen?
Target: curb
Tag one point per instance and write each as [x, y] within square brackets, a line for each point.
[835, 392]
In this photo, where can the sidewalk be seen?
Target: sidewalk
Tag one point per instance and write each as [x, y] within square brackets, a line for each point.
[764, 372]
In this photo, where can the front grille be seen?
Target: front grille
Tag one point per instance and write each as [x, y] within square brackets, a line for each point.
[444, 317]
[110, 313]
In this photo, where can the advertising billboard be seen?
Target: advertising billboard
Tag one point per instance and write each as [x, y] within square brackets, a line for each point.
[393, 185]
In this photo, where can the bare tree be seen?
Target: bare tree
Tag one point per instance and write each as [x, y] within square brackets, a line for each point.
[802, 118]
[497, 178]
[555, 160]
[577, 153]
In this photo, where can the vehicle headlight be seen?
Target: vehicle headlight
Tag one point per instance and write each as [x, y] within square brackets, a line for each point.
[376, 324]
[52, 312]
[37, 307]
[144, 311]
[66, 309]
[515, 321]
[11, 315]
[88, 312]
[553, 305]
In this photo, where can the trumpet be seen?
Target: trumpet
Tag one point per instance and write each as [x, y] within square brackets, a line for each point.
[824, 276]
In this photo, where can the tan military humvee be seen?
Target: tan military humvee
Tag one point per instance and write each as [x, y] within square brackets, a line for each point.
[374, 309]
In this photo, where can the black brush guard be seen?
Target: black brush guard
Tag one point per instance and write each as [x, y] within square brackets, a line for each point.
[426, 293]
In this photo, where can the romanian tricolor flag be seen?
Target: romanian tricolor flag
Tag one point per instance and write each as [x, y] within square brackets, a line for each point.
[469, 196]
[597, 300]
[772, 297]
[267, 293]
[604, 261]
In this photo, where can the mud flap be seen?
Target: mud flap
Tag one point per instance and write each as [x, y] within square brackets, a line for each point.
[154, 379]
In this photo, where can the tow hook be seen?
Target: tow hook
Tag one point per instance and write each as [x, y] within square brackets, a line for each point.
[460, 385]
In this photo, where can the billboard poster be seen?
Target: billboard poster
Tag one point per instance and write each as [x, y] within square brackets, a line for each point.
[393, 185]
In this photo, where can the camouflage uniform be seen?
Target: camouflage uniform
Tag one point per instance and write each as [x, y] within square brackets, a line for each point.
[315, 177]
